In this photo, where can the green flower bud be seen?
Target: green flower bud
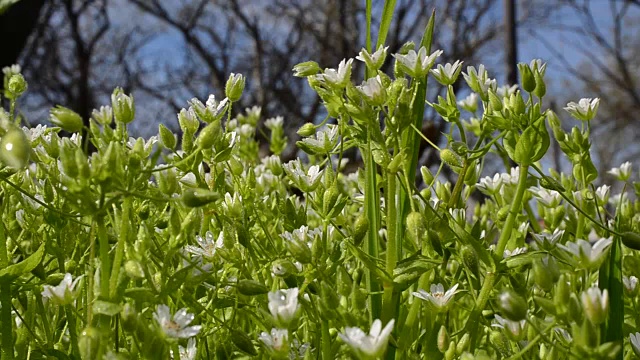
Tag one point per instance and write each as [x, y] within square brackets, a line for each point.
[416, 226]
[123, 106]
[450, 353]
[15, 149]
[305, 69]
[89, 343]
[167, 137]
[546, 273]
[251, 287]
[188, 121]
[631, 240]
[134, 269]
[495, 101]
[17, 85]
[463, 344]
[307, 130]
[451, 158]
[501, 343]
[427, 177]
[199, 197]
[443, 339]
[209, 135]
[470, 260]
[513, 306]
[234, 87]
[527, 77]
[243, 342]
[360, 229]
[65, 118]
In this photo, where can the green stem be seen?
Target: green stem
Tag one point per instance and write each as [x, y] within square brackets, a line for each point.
[457, 189]
[515, 209]
[404, 340]
[5, 296]
[326, 341]
[392, 251]
[122, 238]
[580, 226]
[71, 321]
[372, 209]
[473, 320]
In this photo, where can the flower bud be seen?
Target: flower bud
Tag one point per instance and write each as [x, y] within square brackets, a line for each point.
[452, 159]
[15, 149]
[527, 77]
[427, 177]
[89, 343]
[631, 240]
[416, 227]
[199, 197]
[243, 342]
[167, 137]
[188, 121]
[360, 229]
[17, 85]
[500, 342]
[123, 106]
[495, 101]
[595, 303]
[305, 69]
[307, 130]
[443, 339]
[450, 353]
[104, 116]
[513, 306]
[234, 87]
[541, 88]
[251, 287]
[463, 344]
[470, 259]
[65, 118]
[209, 135]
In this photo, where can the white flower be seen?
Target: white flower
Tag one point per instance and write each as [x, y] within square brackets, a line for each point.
[630, 283]
[470, 103]
[549, 198]
[479, 81]
[65, 293]
[596, 304]
[209, 112]
[207, 247]
[514, 252]
[283, 305]
[584, 110]
[188, 353]
[489, 185]
[176, 326]
[274, 123]
[437, 298]
[277, 342]
[324, 140]
[602, 194]
[587, 256]
[546, 240]
[458, 215]
[514, 328]
[375, 60]
[623, 173]
[447, 74]
[338, 77]
[14, 69]
[417, 64]
[307, 181]
[635, 343]
[565, 335]
[506, 90]
[232, 205]
[373, 90]
[371, 346]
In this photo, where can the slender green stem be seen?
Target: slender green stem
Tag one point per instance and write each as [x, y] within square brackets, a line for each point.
[122, 238]
[457, 189]
[5, 296]
[326, 341]
[71, 321]
[515, 209]
[372, 209]
[392, 251]
[473, 320]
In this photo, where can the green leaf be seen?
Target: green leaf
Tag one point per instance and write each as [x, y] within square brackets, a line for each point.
[14, 271]
[532, 145]
[106, 308]
[385, 22]
[6, 4]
